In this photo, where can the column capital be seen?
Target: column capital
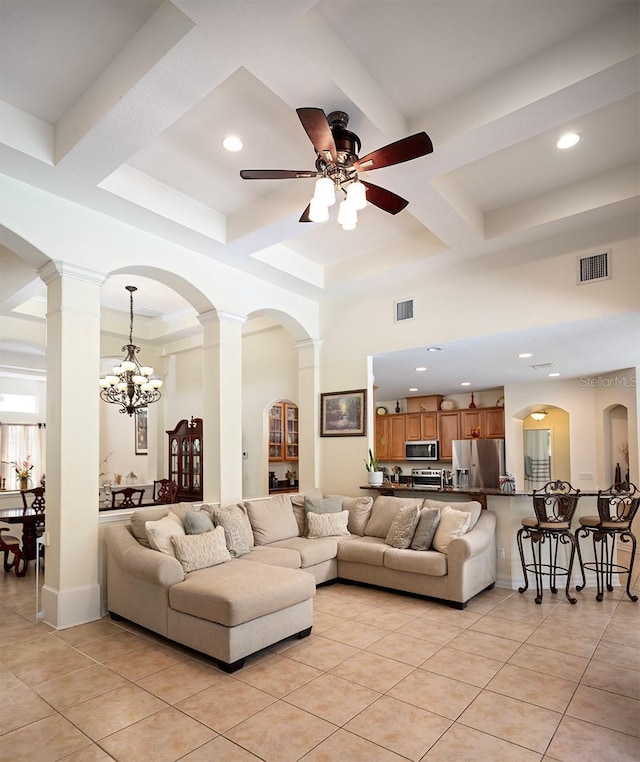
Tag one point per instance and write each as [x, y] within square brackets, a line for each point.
[308, 344]
[54, 269]
[220, 316]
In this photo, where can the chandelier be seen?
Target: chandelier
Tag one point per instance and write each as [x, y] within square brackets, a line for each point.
[131, 385]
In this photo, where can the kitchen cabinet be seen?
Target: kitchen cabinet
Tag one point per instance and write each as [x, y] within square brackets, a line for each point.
[283, 432]
[490, 420]
[421, 426]
[448, 430]
[185, 459]
[381, 438]
[397, 436]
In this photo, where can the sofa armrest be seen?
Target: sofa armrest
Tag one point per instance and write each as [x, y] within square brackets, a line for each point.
[146, 564]
[482, 536]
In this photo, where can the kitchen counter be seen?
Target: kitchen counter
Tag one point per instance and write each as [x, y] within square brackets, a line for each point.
[477, 493]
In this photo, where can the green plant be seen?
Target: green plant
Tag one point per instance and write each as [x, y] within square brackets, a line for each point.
[371, 463]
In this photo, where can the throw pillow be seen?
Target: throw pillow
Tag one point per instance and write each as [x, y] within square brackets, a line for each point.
[237, 529]
[403, 526]
[327, 524]
[272, 519]
[322, 504]
[426, 529]
[452, 524]
[468, 506]
[140, 517]
[159, 533]
[359, 511]
[198, 551]
[197, 522]
[383, 512]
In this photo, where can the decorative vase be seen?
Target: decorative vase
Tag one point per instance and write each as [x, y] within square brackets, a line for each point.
[472, 403]
[24, 483]
[374, 478]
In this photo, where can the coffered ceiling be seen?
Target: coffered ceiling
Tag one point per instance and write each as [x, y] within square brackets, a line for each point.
[131, 102]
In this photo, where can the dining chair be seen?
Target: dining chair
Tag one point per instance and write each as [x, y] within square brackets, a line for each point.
[164, 491]
[32, 500]
[554, 506]
[617, 507]
[10, 546]
[124, 498]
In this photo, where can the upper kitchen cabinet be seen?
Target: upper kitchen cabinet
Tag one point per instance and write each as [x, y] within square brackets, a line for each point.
[421, 426]
[449, 429]
[489, 419]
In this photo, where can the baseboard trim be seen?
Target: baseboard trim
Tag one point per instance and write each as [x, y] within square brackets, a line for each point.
[68, 608]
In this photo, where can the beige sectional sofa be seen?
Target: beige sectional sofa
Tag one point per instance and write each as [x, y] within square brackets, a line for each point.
[241, 578]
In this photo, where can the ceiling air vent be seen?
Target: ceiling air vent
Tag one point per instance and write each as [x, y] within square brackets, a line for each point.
[404, 310]
[594, 267]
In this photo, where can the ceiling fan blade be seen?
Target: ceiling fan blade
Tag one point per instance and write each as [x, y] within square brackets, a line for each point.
[317, 128]
[305, 215]
[384, 199]
[276, 174]
[395, 153]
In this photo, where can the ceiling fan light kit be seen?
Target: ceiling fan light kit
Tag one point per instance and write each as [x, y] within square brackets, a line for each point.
[337, 166]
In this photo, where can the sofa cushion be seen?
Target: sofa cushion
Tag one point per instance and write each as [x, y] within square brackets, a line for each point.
[274, 556]
[403, 526]
[199, 551]
[426, 529]
[159, 533]
[237, 592]
[197, 522]
[237, 528]
[452, 524]
[327, 524]
[272, 519]
[311, 551]
[363, 550]
[469, 506]
[430, 562]
[322, 504]
[383, 511]
[140, 517]
[359, 511]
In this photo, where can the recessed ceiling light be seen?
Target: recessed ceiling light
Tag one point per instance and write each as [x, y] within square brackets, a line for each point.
[420, 368]
[525, 354]
[553, 375]
[434, 349]
[232, 143]
[568, 140]
[413, 389]
[465, 383]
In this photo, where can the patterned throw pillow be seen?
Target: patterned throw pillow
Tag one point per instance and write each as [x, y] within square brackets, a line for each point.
[452, 524]
[426, 529]
[237, 529]
[159, 533]
[198, 551]
[403, 526]
[327, 524]
[197, 522]
[322, 504]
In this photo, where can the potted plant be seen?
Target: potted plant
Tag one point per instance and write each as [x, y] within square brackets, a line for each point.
[374, 476]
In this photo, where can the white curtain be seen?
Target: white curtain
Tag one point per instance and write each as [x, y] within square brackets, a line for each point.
[17, 442]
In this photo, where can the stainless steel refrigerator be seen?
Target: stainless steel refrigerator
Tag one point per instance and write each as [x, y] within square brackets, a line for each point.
[478, 462]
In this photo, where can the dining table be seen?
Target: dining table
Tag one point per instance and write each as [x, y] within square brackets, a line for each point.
[31, 521]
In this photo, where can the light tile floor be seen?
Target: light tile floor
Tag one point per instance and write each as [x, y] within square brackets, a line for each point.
[383, 678]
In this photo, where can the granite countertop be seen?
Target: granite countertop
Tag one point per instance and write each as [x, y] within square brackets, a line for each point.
[399, 487]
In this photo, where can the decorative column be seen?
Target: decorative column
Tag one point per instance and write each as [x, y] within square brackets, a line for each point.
[71, 594]
[222, 405]
[308, 413]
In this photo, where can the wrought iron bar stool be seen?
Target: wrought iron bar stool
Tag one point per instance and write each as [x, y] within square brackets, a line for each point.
[554, 506]
[617, 507]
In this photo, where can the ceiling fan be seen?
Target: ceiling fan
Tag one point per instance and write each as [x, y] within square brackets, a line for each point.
[338, 164]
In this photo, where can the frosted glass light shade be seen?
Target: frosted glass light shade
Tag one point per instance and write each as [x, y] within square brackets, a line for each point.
[357, 195]
[325, 192]
[318, 211]
[347, 215]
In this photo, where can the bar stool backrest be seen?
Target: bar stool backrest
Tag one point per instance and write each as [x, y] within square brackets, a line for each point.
[555, 503]
[617, 507]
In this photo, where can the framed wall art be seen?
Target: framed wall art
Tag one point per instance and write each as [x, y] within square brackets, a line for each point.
[343, 414]
[141, 433]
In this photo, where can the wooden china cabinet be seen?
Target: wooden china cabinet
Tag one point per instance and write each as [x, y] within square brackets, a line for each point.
[283, 432]
[185, 458]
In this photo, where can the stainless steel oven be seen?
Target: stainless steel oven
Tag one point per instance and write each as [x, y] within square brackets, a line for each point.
[427, 478]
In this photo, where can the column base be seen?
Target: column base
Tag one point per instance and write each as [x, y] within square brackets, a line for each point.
[68, 608]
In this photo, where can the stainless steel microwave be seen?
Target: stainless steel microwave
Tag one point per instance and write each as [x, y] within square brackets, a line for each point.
[427, 450]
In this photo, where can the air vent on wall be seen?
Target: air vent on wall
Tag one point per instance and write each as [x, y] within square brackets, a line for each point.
[594, 267]
[404, 310]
